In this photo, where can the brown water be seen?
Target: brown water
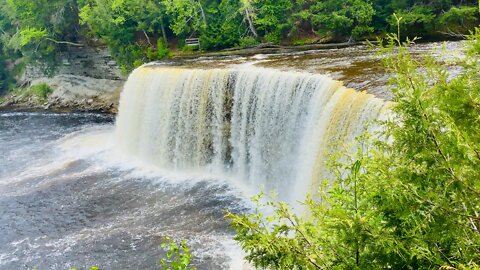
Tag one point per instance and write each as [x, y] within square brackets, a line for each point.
[358, 67]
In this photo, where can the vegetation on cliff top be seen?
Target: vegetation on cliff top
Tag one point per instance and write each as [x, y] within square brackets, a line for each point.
[139, 31]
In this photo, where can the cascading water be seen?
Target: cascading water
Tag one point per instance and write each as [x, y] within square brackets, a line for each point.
[271, 130]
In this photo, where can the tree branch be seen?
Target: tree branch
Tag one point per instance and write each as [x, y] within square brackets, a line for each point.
[65, 42]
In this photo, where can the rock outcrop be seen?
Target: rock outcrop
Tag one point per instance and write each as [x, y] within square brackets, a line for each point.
[82, 93]
[87, 79]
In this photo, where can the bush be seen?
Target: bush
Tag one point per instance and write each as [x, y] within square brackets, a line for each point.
[459, 19]
[273, 37]
[248, 42]
[41, 90]
[162, 50]
[417, 20]
[190, 48]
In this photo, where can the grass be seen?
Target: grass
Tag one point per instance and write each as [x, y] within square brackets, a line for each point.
[39, 92]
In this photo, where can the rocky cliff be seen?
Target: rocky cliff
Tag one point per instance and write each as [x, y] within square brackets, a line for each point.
[86, 79]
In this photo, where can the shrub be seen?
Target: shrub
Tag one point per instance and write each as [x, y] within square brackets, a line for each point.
[459, 19]
[248, 42]
[41, 90]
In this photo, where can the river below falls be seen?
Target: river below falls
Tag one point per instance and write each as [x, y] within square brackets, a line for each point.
[65, 202]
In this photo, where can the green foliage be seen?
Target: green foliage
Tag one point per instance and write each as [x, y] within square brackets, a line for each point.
[224, 27]
[187, 16]
[415, 21]
[459, 19]
[6, 79]
[41, 90]
[435, 179]
[189, 49]
[272, 18]
[337, 234]
[133, 29]
[410, 199]
[248, 42]
[178, 256]
[352, 17]
[37, 30]
[29, 35]
[139, 31]
[92, 268]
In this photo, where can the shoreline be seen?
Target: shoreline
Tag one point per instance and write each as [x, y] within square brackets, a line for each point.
[22, 108]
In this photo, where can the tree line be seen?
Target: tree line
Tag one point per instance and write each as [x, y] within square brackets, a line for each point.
[139, 31]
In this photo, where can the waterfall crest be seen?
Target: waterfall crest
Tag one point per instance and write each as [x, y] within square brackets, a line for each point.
[270, 129]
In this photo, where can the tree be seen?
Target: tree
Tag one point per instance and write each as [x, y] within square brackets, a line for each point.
[341, 18]
[134, 29]
[37, 30]
[458, 20]
[271, 18]
[225, 25]
[188, 16]
[247, 9]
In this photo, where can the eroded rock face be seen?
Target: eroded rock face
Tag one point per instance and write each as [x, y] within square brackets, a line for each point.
[84, 61]
[86, 79]
[83, 93]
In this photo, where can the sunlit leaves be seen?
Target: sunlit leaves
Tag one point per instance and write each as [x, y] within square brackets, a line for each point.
[178, 256]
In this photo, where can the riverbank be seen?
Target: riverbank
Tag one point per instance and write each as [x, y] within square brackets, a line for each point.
[67, 93]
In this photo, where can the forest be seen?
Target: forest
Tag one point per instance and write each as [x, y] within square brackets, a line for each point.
[139, 31]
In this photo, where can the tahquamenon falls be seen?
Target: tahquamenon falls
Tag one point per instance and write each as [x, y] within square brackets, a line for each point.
[269, 130]
[188, 143]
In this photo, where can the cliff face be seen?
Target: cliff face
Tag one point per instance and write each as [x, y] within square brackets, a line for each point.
[86, 79]
[81, 61]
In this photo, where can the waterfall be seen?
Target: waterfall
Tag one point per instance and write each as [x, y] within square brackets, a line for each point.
[269, 129]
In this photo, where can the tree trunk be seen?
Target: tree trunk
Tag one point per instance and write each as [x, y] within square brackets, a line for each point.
[250, 23]
[203, 13]
[164, 34]
[147, 37]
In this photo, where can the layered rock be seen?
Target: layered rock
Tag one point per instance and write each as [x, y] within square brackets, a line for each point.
[86, 79]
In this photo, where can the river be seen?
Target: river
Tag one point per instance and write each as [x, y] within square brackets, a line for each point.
[62, 206]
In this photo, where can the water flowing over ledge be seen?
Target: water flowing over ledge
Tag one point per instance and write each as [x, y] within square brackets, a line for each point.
[269, 129]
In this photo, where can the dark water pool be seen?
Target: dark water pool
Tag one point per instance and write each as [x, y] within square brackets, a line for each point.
[64, 205]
